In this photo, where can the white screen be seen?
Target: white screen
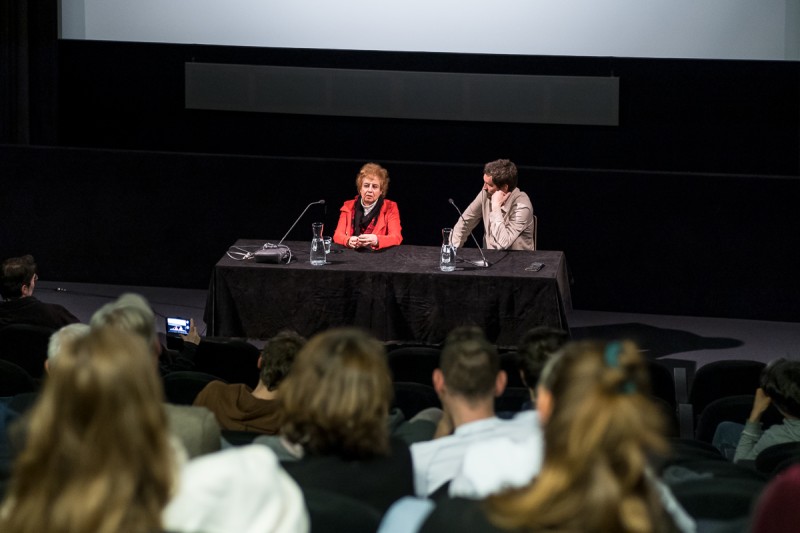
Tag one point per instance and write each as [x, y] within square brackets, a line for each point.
[713, 29]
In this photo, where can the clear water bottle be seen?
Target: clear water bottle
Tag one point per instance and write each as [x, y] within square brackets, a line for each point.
[447, 259]
[317, 245]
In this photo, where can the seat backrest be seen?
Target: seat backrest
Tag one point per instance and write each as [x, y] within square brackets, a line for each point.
[233, 360]
[411, 397]
[182, 387]
[331, 512]
[14, 379]
[730, 409]
[414, 363]
[776, 458]
[26, 345]
[535, 231]
[718, 498]
[723, 378]
[662, 382]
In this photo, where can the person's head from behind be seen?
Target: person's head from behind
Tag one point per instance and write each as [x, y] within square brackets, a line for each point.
[372, 182]
[18, 277]
[780, 381]
[96, 456]
[61, 339]
[600, 428]
[336, 398]
[131, 313]
[499, 175]
[535, 349]
[469, 367]
[277, 357]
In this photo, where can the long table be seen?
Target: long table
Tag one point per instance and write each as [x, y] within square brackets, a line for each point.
[398, 294]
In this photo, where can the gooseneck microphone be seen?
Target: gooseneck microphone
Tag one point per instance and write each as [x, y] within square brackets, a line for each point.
[320, 202]
[484, 263]
[279, 253]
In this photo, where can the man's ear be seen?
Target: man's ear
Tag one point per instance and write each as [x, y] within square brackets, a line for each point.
[260, 362]
[437, 378]
[500, 383]
[46, 366]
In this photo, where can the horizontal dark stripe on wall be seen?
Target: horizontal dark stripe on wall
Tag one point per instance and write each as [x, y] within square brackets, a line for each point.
[575, 100]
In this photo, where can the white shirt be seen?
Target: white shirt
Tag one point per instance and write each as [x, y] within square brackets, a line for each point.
[440, 460]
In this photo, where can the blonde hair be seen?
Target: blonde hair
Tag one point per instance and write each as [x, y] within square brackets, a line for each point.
[97, 457]
[337, 396]
[601, 429]
[375, 170]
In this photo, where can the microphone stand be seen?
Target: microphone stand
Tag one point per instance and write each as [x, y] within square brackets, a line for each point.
[277, 253]
[484, 263]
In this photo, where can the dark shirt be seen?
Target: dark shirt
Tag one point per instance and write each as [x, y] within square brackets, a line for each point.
[377, 482]
[29, 310]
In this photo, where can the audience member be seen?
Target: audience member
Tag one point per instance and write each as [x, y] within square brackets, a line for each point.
[370, 221]
[131, 312]
[335, 406]
[241, 490]
[506, 211]
[780, 386]
[195, 426]
[600, 429]
[237, 406]
[19, 306]
[776, 510]
[534, 350]
[467, 381]
[97, 456]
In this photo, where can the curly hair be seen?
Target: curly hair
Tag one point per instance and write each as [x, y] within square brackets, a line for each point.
[374, 170]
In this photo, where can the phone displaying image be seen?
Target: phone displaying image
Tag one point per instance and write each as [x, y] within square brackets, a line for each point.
[177, 325]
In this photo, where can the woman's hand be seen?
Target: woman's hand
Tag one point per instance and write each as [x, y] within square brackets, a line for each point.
[353, 242]
[367, 239]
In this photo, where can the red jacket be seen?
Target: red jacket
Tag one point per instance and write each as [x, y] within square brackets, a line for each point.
[387, 225]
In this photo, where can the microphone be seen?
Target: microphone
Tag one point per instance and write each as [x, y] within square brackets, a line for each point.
[484, 263]
[278, 253]
[320, 202]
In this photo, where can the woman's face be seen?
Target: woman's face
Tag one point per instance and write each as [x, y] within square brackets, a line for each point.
[370, 189]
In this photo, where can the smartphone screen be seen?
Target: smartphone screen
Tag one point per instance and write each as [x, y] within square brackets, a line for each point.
[177, 326]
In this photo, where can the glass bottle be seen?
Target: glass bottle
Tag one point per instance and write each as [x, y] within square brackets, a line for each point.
[317, 244]
[447, 259]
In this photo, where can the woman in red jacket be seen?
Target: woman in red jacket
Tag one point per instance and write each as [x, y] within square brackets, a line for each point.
[370, 220]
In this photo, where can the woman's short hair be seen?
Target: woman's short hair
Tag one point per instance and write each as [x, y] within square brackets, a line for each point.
[373, 169]
[97, 455]
[336, 399]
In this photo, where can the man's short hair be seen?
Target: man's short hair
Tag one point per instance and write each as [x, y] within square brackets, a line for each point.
[470, 366]
[535, 348]
[781, 382]
[277, 357]
[63, 338]
[502, 172]
[130, 312]
[16, 272]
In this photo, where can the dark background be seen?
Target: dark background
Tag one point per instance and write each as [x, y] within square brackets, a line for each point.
[687, 207]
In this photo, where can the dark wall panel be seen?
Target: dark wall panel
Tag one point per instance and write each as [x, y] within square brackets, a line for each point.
[674, 115]
[688, 244]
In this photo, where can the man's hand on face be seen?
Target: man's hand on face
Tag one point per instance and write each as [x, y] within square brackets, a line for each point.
[498, 199]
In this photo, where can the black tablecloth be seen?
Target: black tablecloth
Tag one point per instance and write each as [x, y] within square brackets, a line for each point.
[398, 294]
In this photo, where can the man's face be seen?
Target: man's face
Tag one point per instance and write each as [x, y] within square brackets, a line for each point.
[490, 187]
[370, 189]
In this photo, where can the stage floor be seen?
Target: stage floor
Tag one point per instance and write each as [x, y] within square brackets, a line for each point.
[697, 339]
